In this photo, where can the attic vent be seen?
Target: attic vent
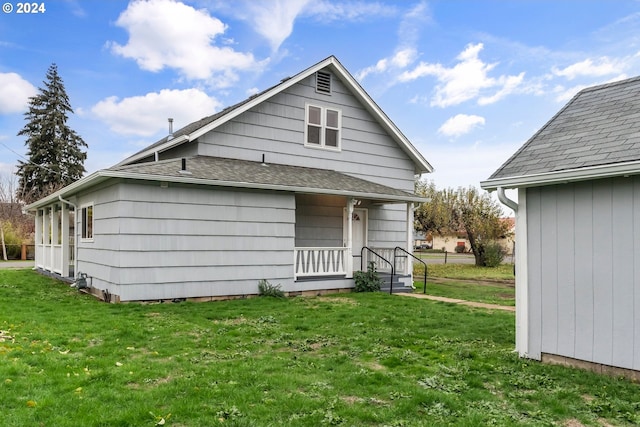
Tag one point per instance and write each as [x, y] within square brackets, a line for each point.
[323, 82]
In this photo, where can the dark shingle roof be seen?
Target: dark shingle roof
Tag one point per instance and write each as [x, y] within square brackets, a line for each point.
[248, 174]
[599, 126]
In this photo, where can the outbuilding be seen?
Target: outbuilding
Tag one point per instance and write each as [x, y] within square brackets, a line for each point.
[578, 232]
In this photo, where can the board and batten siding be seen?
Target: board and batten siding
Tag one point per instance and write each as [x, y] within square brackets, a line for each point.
[276, 128]
[188, 241]
[584, 271]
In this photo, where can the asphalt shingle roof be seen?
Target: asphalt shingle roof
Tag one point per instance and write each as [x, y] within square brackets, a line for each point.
[251, 174]
[599, 126]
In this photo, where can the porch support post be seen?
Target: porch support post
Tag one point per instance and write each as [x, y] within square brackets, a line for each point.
[409, 263]
[64, 239]
[51, 236]
[349, 261]
[38, 241]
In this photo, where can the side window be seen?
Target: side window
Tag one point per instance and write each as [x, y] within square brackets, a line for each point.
[323, 127]
[87, 222]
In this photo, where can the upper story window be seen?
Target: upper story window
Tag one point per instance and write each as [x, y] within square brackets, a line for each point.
[87, 222]
[323, 127]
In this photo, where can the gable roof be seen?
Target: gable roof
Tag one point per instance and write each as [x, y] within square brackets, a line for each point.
[233, 173]
[206, 124]
[596, 135]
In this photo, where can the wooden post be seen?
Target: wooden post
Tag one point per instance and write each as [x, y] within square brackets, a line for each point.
[23, 253]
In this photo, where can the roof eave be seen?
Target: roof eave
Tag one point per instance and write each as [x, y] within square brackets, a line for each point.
[564, 177]
[70, 190]
[260, 186]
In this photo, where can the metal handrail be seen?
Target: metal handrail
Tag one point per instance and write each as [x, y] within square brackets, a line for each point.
[414, 257]
[382, 258]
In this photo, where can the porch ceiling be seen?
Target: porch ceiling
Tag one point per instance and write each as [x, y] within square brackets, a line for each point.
[247, 174]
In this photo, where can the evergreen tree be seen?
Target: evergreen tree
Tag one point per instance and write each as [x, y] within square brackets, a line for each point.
[54, 151]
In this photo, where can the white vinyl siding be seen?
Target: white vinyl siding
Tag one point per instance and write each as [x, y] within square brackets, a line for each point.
[322, 127]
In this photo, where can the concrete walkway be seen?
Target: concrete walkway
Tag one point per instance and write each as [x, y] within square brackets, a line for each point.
[461, 302]
[16, 264]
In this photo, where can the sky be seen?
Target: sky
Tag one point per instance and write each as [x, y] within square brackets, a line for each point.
[468, 82]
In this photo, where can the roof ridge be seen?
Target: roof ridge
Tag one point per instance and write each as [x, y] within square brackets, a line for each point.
[609, 84]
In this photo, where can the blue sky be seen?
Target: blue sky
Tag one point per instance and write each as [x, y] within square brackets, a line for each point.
[468, 82]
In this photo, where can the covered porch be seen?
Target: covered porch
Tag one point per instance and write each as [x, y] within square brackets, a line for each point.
[336, 236]
[55, 240]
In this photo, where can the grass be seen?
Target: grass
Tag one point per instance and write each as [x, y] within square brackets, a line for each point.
[468, 282]
[466, 271]
[67, 359]
[502, 294]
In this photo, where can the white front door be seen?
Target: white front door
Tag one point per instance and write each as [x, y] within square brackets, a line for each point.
[359, 238]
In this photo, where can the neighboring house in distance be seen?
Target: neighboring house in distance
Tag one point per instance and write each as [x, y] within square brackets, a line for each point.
[287, 186]
[578, 232]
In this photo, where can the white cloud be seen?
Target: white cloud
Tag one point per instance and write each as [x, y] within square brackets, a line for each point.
[274, 19]
[14, 93]
[509, 84]
[465, 80]
[460, 124]
[147, 115]
[328, 11]
[167, 33]
[401, 59]
[603, 67]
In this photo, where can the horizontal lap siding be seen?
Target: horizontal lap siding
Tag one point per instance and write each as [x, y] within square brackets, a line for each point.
[99, 258]
[584, 266]
[181, 242]
[276, 128]
[387, 226]
[319, 221]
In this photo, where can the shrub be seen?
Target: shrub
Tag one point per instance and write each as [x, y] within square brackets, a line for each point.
[12, 240]
[266, 289]
[367, 281]
[460, 249]
[493, 254]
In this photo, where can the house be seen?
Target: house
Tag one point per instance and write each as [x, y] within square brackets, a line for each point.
[578, 232]
[288, 186]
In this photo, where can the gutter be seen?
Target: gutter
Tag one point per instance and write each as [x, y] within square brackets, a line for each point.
[75, 239]
[564, 176]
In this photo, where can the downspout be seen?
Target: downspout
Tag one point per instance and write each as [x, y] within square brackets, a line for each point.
[507, 201]
[522, 300]
[75, 237]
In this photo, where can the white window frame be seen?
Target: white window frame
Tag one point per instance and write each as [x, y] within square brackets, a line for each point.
[83, 224]
[323, 128]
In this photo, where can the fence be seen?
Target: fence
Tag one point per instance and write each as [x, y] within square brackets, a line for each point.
[20, 252]
[439, 257]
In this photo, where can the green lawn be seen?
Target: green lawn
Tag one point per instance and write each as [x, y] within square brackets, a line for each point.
[494, 285]
[498, 293]
[503, 272]
[67, 359]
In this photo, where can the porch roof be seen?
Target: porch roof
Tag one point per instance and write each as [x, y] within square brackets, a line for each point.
[222, 172]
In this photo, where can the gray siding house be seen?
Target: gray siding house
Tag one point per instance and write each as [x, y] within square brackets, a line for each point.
[287, 186]
[578, 232]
